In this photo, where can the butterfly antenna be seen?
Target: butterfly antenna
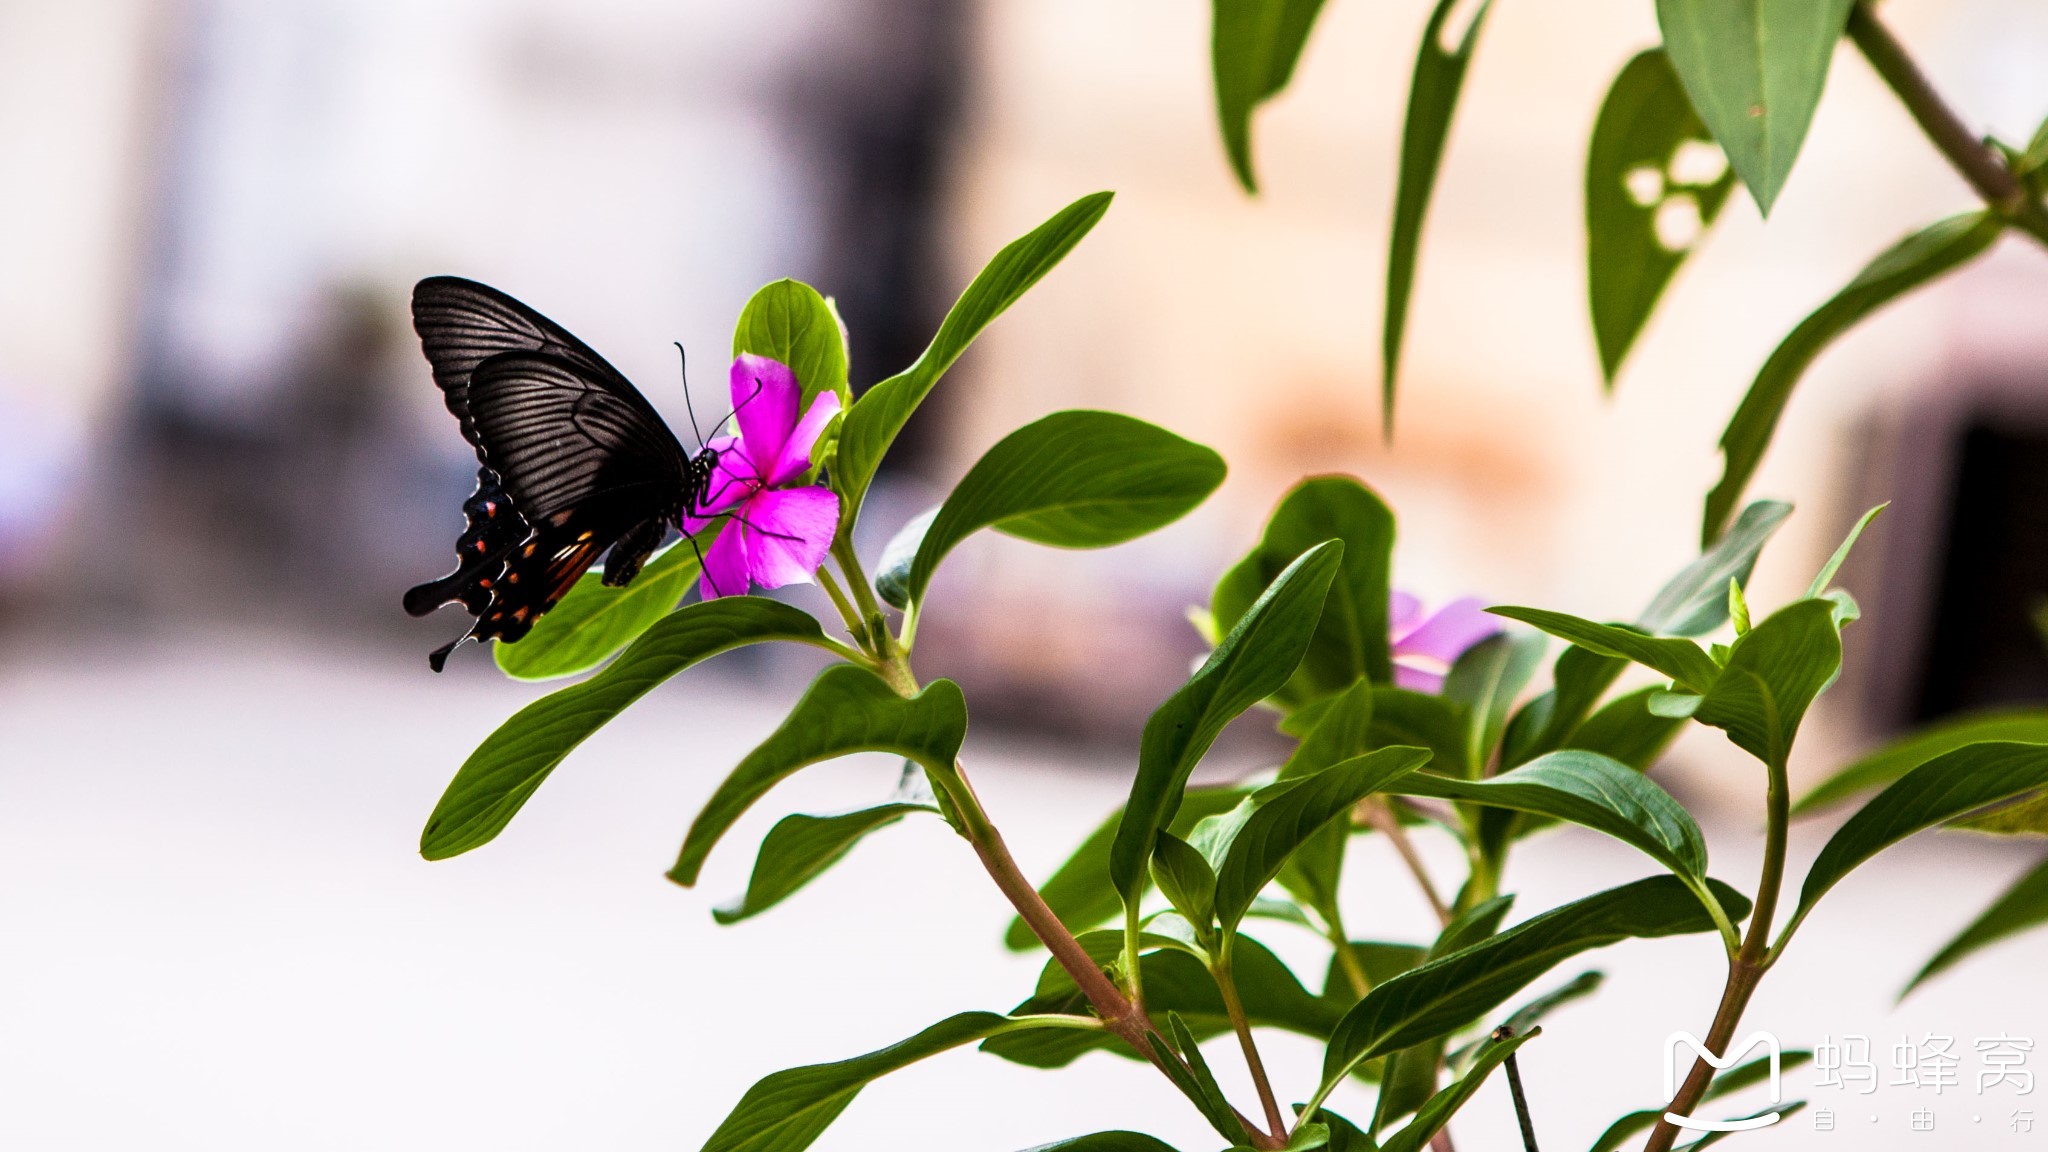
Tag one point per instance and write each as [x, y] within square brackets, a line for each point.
[742, 404]
[684, 357]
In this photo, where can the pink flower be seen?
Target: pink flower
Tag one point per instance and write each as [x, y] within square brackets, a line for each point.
[778, 534]
[1425, 648]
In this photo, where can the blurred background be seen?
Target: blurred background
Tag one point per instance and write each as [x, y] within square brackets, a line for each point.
[222, 460]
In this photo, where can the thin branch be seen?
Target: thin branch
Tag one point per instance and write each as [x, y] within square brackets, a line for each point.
[1746, 969]
[1383, 819]
[1347, 956]
[1500, 1034]
[854, 627]
[1226, 983]
[1977, 162]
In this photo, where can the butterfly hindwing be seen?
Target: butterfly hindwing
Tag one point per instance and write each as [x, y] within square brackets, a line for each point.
[494, 530]
[574, 460]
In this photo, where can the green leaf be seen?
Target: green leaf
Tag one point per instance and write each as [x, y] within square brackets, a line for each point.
[1680, 659]
[1695, 602]
[1432, 99]
[788, 321]
[1590, 790]
[1252, 54]
[1351, 640]
[1578, 679]
[787, 1110]
[1626, 730]
[1907, 265]
[593, 620]
[1644, 121]
[873, 421]
[1079, 891]
[1284, 821]
[1251, 664]
[2026, 818]
[1943, 788]
[1117, 1141]
[1692, 603]
[1438, 1110]
[1787, 1109]
[1382, 962]
[2022, 906]
[1308, 1138]
[1727, 1083]
[1754, 70]
[1526, 1017]
[1344, 1135]
[800, 848]
[1479, 922]
[1340, 727]
[1186, 880]
[2027, 725]
[1410, 1077]
[892, 573]
[1487, 678]
[1195, 1080]
[1407, 1082]
[1403, 716]
[1175, 981]
[1071, 480]
[1826, 575]
[505, 769]
[1773, 673]
[1738, 609]
[847, 709]
[1445, 994]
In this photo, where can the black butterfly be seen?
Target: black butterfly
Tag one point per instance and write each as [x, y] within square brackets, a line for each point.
[574, 461]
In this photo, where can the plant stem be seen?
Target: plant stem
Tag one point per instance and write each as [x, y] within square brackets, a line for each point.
[854, 627]
[1121, 1015]
[894, 666]
[1746, 968]
[857, 578]
[1347, 956]
[1982, 167]
[1109, 1003]
[1382, 818]
[1242, 1025]
[1514, 1072]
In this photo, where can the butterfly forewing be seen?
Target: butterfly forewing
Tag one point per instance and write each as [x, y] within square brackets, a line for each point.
[575, 461]
[462, 323]
[561, 439]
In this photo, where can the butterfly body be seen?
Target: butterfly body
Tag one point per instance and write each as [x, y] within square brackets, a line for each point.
[573, 462]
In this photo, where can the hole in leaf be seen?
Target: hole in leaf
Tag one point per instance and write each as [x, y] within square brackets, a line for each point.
[1645, 185]
[1697, 163]
[1678, 223]
[1451, 36]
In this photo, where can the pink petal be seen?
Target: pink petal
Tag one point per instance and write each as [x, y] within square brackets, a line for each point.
[796, 453]
[1417, 680]
[1402, 609]
[734, 479]
[789, 531]
[1455, 627]
[764, 400]
[725, 565]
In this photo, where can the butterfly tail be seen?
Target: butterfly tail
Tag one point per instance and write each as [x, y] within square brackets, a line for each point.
[438, 658]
